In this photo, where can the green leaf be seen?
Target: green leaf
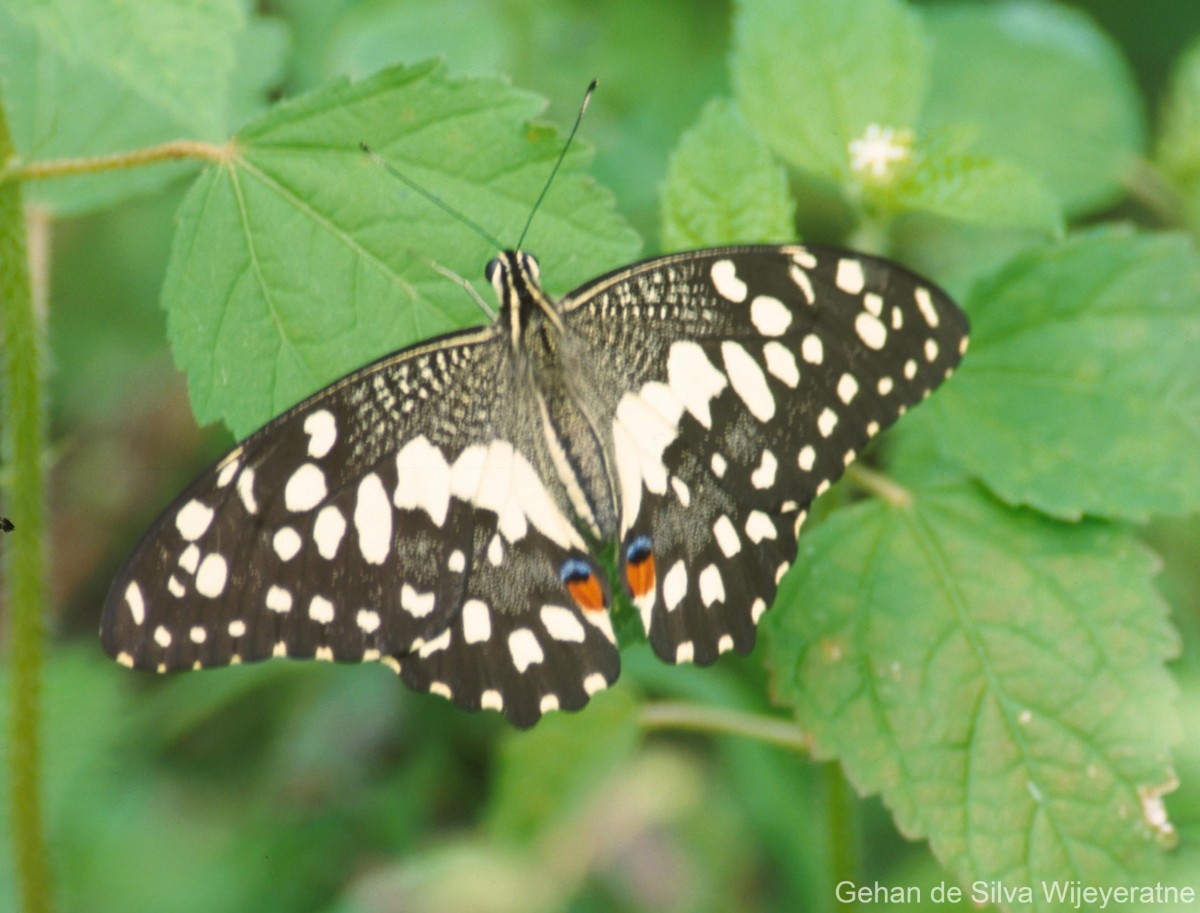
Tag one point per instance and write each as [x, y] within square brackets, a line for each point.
[1178, 147]
[974, 189]
[543, 775]
[1081, 391]
[996, 676]
[812, 75]
[1043, 87]
[298, 261]
[723, 186]
[92, 77]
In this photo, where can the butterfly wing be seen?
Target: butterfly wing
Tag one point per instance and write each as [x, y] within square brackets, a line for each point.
[386, 518]
[737, 384]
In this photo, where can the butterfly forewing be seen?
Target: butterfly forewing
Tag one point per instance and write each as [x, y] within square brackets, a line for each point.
[441, 510]
[740, 383]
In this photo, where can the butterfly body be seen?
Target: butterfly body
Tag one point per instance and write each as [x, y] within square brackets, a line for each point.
[441, 509]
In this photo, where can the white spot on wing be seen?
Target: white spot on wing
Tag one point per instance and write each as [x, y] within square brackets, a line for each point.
[782, 363]
[826, 422]
[594, 683]
[162, 637]
[279, 599]
[320, 610]
[748, 381]
[476, 621]
[770, 316]
[764, 476]
[925, 304]
[759, 527]
[416, 604]
[305, 489]
[524, 648]
[193, 520]
[548, 703]
[694, 380]
[870, 330]
[245, 490]
[726, 536]
[137, 605]
[190, 558]
[645, 424]
[322, 433]
[373, 520]
[675, 585]
[685, 652]
[211, 576]
[712, 585]
[682, 492]
[849, 277]
[812, 349]
[491, 700]
[328, 531]
[287, 543]
[368, 620]
[456, 562]
[423, 479]
[847, 388]
[807, 458]
[726, 282]
[562, 624]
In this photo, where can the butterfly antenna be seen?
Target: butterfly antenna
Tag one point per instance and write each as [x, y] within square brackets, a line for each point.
[587, 96]
[433, 198]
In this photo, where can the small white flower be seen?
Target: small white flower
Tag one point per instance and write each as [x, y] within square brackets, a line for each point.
[878, 149]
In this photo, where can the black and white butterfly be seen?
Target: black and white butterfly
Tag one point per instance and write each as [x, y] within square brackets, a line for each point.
[441, 510]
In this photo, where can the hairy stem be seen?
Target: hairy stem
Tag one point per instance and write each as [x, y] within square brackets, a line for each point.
[15, 172]
[22, 423]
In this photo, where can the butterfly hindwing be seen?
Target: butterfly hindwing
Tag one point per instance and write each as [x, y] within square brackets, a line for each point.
[743, 381]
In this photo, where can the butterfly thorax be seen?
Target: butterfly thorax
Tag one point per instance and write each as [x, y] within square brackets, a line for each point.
[550, 378]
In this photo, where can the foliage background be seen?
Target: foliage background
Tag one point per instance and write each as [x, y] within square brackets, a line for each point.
[302, 787]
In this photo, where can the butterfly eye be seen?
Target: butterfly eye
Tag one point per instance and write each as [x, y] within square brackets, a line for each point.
[492, 270]
[530, 262]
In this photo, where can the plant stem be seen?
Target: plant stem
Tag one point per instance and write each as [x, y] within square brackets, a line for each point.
[14, 172]
[21, 432]
[681, 715]
[840, 812]
[879, 485]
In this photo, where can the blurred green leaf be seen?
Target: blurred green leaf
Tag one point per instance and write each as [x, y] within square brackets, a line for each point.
[1178, 149]
[543, 775]
[89, 77]
[1081, 391]
[297, 260]
[723, 186]
[975, 189]
[260, 51]
[812, 75]
[1042, 87]
[997, 677]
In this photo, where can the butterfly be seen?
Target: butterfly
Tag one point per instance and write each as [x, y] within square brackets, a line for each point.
[441, 510]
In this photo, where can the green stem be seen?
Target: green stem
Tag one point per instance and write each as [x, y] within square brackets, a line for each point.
[15, 172]
[681, 715]
[878, 484]
[841, 807]
[21, 432]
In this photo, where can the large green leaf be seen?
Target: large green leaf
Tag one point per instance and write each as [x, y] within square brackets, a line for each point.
[997, 677]
[1041, 86]
[1081, 391]
[812, 75]
[297, 260]
[92, 77]
[724, 187]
